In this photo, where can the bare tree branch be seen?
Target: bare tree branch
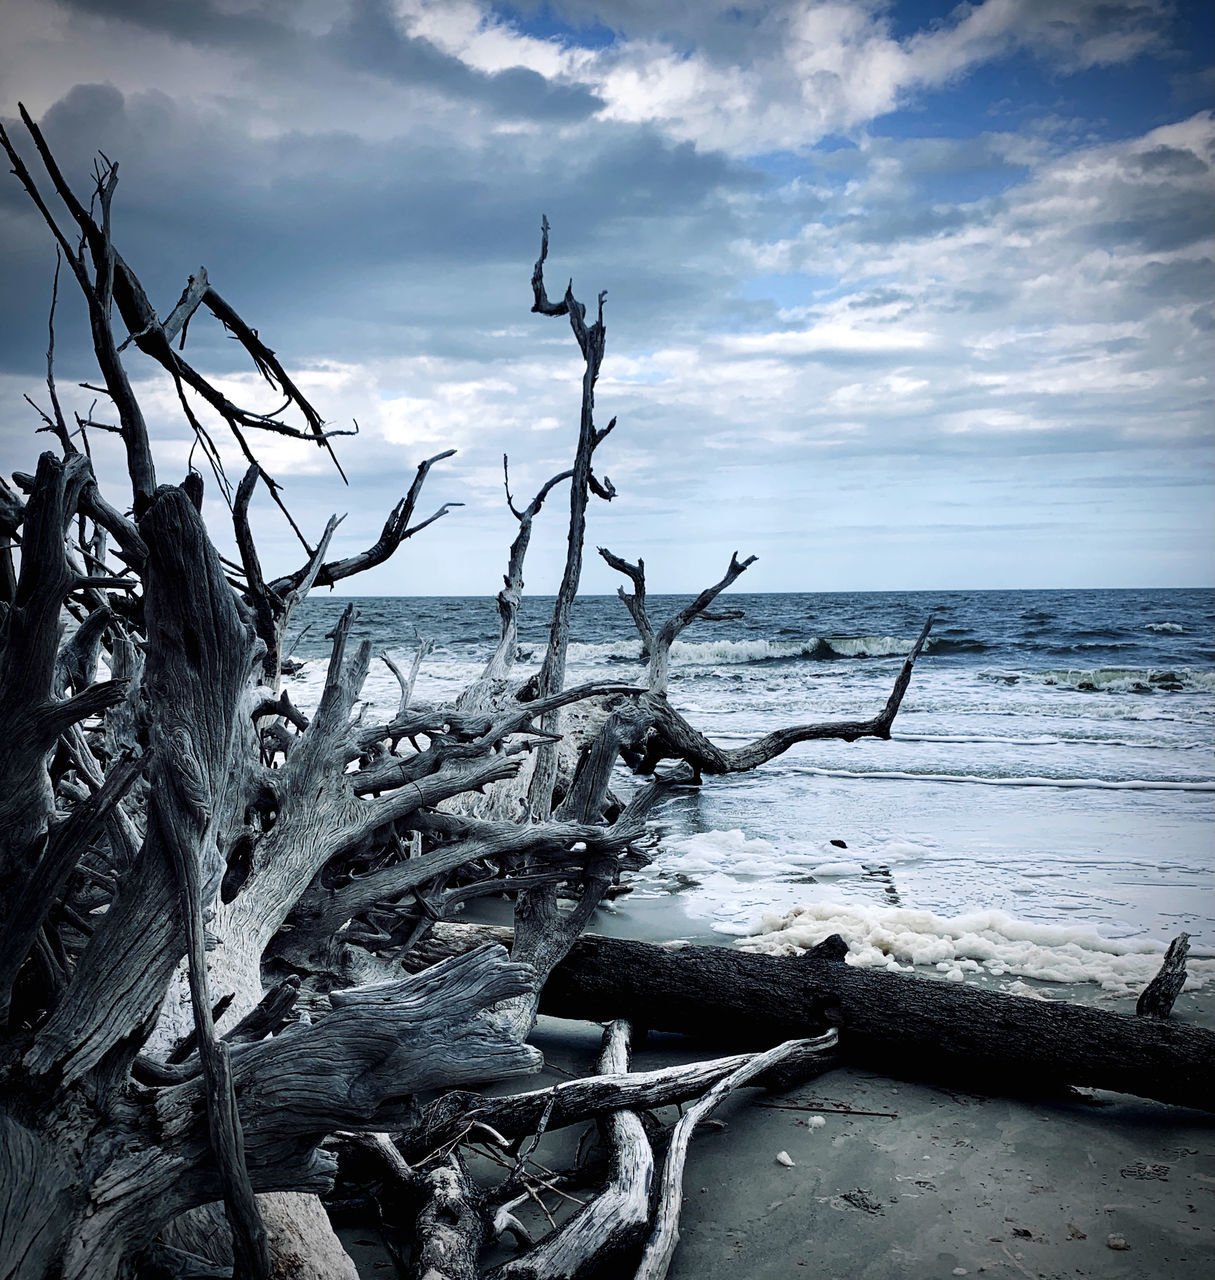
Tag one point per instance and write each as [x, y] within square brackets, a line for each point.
[396, 530]
[660, 655]
[674, 738]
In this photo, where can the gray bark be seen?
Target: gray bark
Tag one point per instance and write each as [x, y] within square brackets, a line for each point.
[1161, 993]
[449, 1230]
[613, 1220]
[894, 1023]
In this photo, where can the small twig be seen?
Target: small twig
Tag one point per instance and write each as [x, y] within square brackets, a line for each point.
[535, 1195]
[829, 1111]
[524, 1149]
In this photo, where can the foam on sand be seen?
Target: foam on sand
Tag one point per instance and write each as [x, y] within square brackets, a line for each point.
[730, 851]
[982, 942]
[733, 853]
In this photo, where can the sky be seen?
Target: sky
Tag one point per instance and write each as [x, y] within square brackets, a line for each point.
[900, 295]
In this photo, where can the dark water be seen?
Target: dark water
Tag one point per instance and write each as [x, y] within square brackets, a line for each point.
[1035, 630]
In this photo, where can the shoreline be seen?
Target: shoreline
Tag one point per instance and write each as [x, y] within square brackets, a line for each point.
[941, 1182]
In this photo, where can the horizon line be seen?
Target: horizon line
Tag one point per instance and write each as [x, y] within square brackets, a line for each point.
[871, 591]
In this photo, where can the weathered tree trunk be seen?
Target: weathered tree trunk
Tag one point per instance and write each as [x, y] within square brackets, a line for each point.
[1161, 993]
[895, 1023]
[104, 1144]
[449, 1230]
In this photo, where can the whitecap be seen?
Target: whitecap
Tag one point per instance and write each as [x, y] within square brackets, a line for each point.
[870, 646]
[1112, 679]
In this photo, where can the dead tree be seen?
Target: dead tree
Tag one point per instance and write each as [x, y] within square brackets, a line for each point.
[206, 892]
[150, 855]
[943, 1031]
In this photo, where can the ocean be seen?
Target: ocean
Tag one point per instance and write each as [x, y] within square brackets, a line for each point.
[1045, 809]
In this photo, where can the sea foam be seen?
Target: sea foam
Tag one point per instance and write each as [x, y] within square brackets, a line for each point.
[733, 853]
[1112, 679]
[982, 942]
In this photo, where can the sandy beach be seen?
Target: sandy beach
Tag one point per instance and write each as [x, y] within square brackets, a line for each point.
[1070, 806]
[939, 1182]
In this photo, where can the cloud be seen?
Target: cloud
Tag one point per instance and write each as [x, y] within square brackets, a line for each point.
[792, 327]
[754, 77]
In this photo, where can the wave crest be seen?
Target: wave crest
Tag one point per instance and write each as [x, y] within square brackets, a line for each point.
[712, 653]
[1113, 679]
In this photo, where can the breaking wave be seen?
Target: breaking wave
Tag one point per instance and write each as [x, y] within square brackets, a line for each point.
[1113, 679]
[712, 653]
[1063, 739]
[1016, 780]
[1169, 628]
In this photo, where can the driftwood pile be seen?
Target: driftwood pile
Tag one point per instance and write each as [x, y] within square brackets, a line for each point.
[212, 904]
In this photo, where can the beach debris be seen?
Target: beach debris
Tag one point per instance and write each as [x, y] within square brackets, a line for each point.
[1074, 1232]
[621, 1211]
[659, 1248]
[860, 1198]
[1116, 1241]
[827, 1111]
[783, 1157]
[1145, 1172]
[701, 990]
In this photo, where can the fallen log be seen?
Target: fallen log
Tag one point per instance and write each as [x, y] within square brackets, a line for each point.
[895, 1023]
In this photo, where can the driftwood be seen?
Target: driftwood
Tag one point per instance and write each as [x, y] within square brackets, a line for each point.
[207, 893]
[889, 1022]
[1161, 993]
[514, 1116]
[612, 1221]
[660, 1247]
[449, 1229]
[147, 859]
